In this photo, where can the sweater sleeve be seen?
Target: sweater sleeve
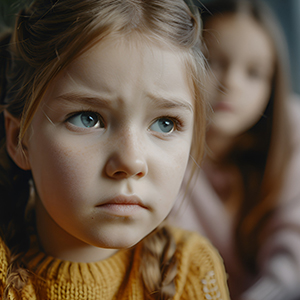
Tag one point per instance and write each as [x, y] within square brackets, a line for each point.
[214, 280]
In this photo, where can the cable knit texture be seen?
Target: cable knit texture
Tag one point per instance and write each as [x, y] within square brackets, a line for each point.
[200, 274]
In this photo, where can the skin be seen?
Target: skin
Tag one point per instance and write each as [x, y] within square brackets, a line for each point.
[129, 85]
[241, 57]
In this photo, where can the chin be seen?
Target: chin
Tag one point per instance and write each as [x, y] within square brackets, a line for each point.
[119, 241]
[118, 245]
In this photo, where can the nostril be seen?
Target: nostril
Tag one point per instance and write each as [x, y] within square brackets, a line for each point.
[120, 174]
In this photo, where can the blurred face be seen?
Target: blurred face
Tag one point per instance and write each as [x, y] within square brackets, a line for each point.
[108, 148]
[241, 58]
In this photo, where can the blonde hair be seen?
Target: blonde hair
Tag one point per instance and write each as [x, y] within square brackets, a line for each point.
[47, 37]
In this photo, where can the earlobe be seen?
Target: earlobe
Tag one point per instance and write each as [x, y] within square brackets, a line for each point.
[17, 152]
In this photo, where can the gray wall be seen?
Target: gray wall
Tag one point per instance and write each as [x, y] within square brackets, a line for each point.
[288, 12]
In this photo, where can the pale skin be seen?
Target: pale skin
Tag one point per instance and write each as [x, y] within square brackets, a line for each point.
[241, 56]
[108, 148]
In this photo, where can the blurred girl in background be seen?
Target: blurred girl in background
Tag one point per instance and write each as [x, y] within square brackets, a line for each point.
[246, 198]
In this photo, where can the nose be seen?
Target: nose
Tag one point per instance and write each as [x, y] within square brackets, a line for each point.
[127, 160]
[230, 78]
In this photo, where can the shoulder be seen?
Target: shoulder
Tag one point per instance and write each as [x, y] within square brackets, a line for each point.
[189, 242]
[200, 268]
[196, 249]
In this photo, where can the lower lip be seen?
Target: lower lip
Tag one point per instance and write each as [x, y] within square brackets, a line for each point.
[122, 210]
[222, 106]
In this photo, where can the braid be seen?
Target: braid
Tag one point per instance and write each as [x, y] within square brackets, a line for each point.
[158, 264]
[17, 277]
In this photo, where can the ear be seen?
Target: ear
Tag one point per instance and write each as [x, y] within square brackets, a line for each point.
[17, 152]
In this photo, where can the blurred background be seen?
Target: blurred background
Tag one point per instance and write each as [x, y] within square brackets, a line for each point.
[287, 11]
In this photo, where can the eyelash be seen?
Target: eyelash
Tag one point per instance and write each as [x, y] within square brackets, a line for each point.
[79, 112]
[178, 122]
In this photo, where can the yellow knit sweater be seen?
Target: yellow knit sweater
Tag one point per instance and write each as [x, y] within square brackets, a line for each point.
[200, 274]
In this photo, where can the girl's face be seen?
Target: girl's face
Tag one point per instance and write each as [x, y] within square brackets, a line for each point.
[241, 58]
[108, 148]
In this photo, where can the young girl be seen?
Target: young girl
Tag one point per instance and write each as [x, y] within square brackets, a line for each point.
[100, 100]
[247, 198]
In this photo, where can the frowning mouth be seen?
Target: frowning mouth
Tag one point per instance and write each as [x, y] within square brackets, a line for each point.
[123, 205]
[222, 106]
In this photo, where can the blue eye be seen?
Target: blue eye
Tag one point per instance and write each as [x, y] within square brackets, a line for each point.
[87, 120]
[163, 125]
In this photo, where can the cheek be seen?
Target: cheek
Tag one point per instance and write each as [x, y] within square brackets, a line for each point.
[248, 107]
[255, 104]
[60, 167]
[170, 168]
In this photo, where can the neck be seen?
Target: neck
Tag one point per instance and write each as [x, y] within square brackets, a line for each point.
[60, 244]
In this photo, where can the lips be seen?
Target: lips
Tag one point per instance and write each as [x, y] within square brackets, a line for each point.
[223, 106]
[123, 205]
[125, 200]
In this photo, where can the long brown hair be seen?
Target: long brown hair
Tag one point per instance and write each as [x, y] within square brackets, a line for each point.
[260, 154]
[47, 37]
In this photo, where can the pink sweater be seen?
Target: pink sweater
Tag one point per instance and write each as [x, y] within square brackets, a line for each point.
[279, 256]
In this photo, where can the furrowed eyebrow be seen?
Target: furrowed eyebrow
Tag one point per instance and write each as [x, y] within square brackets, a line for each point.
[171, 103]
[83, 99]
[97, 101]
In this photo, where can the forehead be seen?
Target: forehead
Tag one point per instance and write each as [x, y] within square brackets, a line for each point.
[127, 68]
[120, 56]
[240, 35]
